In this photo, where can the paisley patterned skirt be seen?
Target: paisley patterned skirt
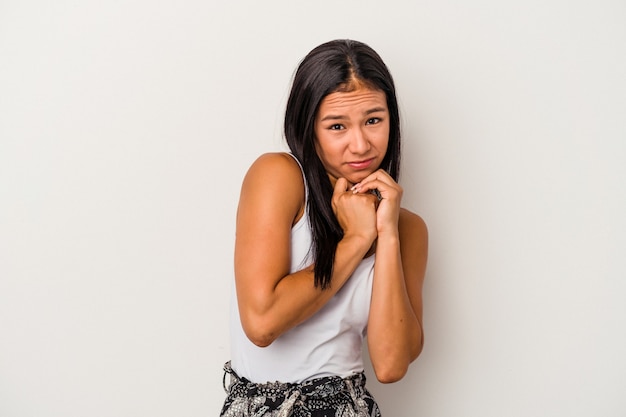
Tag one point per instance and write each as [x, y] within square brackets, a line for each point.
[320, 397]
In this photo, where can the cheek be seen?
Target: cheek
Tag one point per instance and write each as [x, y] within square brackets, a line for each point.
[383, 140]
[384, 143]
[331, 151]
[326, 148]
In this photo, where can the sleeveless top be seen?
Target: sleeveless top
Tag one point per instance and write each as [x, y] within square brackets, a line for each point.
[327, 344]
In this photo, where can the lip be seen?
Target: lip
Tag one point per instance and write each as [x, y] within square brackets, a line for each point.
[361, 164]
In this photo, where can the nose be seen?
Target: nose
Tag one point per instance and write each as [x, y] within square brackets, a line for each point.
[359, 143]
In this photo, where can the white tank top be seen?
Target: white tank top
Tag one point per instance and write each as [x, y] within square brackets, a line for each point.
[327, 344]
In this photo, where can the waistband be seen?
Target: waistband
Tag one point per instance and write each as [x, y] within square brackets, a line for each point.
[315, 388]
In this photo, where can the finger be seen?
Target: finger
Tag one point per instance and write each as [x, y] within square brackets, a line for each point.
[381, 185]
[373, 196]
[379, 175]
[341, 185]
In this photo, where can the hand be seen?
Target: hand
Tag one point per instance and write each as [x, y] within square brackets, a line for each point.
[355, 212]
[388, 211]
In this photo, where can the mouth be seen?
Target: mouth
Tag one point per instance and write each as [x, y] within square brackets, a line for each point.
[363, 164]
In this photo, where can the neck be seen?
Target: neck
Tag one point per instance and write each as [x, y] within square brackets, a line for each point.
[333, 181]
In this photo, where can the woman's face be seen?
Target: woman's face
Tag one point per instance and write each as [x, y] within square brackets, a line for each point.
[352, 132]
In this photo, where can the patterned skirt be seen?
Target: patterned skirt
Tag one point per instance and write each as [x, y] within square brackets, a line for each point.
[321, 397]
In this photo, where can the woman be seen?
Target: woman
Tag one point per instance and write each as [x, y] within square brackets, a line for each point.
[324, 252]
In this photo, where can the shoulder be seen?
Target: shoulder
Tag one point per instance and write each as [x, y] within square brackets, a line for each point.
[412, 221]
[277, 164]
[275, 179]
[413, 231]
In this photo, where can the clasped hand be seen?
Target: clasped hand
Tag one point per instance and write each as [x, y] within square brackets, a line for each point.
[360, 213]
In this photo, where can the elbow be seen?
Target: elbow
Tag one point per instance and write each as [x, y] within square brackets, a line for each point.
[260, 340]
[395, 366]
[390, 375]
[392, 369]
[258, 332]
[417, 350]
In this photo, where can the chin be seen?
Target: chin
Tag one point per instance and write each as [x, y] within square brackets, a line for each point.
[357, 178]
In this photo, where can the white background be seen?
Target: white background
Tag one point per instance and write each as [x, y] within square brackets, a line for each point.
[126, 128]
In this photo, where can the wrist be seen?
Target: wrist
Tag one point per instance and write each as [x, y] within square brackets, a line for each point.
[388, 236]
[359, 241]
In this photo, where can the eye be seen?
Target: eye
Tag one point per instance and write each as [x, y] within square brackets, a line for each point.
[336, 127]
[373, 121]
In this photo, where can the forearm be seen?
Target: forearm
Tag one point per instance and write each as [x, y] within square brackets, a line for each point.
[295, 298]
[394, 331]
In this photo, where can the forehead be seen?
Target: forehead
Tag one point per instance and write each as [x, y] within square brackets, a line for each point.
[361, 99]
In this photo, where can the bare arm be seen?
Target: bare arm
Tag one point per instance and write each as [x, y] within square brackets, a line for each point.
[271, 299]
[395, 336]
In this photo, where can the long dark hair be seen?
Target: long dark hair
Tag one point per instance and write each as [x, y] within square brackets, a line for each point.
[328, 68]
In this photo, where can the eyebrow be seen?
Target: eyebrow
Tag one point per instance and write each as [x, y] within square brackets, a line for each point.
[366, 113]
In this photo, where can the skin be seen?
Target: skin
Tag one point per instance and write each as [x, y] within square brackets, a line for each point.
[352, 131]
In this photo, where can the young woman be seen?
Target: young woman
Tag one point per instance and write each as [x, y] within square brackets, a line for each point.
[324, 252]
